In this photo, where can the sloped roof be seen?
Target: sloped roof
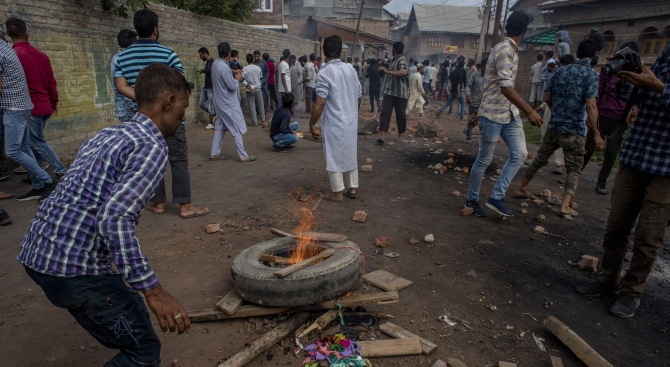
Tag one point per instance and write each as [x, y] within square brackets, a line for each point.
[545, 38]
[447, 18]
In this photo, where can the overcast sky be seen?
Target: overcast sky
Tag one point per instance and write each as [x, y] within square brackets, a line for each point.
[396, 6]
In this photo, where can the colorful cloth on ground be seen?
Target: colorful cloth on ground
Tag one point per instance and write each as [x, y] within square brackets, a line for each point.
[338, 351]
[648, 142]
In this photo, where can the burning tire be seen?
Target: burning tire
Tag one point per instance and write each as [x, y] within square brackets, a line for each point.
[255, 281]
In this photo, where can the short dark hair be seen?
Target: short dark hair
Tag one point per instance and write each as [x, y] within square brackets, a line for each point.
[517, 23]
[566, 59]
[594, 61]
[587, 48]
[373, 61]
[145, 21]
[234, 53]
[632, 45]
[157, 80]
[287, 100]
[332, 47]
[203, 50]
[250, 58]
[126, 37]
[550, 54]
[349, 59]
[266, 56]
[286, 53]
[540, 57]
[356, 59]
[224, 49]
[16, 27]
[292, 57]
[411, 60]
[399, 47]
[312, 57]
[426, 63]
[257, 53]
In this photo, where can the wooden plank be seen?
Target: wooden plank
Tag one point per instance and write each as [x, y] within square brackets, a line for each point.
[266, 342]
[305, 263]
[215, 314]
[274, 259]
[576, 344]
[439, 363]
[387, 281]
[397, 332]
[390, 348]
[230, 303]
[453, 362]
[556, 361]
[322, 321]
[506, 364]
[317, 236]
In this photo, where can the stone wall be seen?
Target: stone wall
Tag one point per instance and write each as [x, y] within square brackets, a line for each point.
[80, 39]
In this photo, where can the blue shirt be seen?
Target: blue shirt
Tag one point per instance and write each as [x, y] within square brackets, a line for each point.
[139, 55]
[427, 72]
[647, 147]
[570, 87]
[87, 225]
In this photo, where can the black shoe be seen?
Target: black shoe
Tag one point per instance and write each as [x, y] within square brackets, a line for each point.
[279, 149]
[597, 288]
[380, 141]
[4, 218]
[33, 194]
[601, 187]
[290, 146]
[27, 180]
[625, 305]
[3, 177]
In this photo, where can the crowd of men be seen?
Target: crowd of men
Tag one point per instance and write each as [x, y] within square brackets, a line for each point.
[81, 247]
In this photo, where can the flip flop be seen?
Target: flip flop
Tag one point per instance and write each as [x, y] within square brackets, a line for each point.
[250, 159]
[380, 141]
[572, 213]
[154, 210]
[351, 195]
[218, 158]
[199, 213]
[6, 195]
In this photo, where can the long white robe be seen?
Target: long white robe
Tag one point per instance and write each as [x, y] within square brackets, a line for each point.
[338, 83]
[229, 115]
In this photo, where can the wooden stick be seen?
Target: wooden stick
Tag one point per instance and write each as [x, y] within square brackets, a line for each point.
[316, 236]
[322, 321]
[230, 303]
[318, 201]
[259, 346]
[215, 314]
[399, 333]
[305, 263]
[274, 259]
[576, 344]
[390, 348]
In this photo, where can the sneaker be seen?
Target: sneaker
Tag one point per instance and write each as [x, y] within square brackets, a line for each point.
[601, 187]
[27, 180]
[437, 115]
[477, 210]
[279, 149]
[20, 170]
[625, 305]
[597, 288]
[33, 194]
[4, 218]
[209, 127]
[499, 207]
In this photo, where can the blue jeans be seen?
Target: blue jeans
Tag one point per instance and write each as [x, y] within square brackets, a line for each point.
[468, 131]
[489, 132]
[207, 95]
[284, 140]
[461, 102]
[41, 148]
[17, 144]
[111, 312]
[124, 107]
[264, 88]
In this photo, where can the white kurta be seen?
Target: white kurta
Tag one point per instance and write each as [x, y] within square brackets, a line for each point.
[229, 115]
[338, 83]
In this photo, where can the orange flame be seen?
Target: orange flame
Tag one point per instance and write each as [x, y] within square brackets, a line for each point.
[305, 247]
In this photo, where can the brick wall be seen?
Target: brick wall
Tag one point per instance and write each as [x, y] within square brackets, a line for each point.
[378, 28]
[80, 39]
[267, 18]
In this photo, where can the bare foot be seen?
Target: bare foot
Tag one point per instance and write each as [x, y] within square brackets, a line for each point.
[156, 208]
[189, 211]
[522, 192]
[334, 196]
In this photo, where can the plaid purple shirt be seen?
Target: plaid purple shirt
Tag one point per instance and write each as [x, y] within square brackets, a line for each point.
[647, 147]
[87, 225]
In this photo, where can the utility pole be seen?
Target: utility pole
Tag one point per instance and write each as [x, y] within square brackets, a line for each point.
[496, 25]
[358, 26]
[505, 18]
[484, 32]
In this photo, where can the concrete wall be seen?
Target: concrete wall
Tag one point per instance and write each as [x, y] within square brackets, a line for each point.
[80, 39]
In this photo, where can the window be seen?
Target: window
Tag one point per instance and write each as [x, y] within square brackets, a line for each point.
[474, 43]
[609, 42]
[263, 5]
[650, 41]
[459, 42]
[435, 42]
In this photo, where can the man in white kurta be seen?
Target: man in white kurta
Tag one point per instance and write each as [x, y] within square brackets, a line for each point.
[416, 91]
[228, 110]
[338, 91]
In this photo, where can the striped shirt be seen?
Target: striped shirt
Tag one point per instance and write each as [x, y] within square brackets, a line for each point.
[648, 142]
[87, 225]
[500, 72]
[141, 54]
[14, 95]
[397, 86]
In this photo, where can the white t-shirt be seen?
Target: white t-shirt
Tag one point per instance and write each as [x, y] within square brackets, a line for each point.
[284, 69]
[252, 74]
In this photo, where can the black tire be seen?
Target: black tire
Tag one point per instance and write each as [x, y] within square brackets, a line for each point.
[256, 282]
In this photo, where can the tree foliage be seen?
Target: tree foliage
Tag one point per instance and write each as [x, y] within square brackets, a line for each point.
[120, 7]
[234, 10]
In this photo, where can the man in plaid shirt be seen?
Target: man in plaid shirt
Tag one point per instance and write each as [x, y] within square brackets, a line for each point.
[641, 192]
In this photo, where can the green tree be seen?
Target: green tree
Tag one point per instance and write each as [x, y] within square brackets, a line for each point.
[234, 10]
[120, 7]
